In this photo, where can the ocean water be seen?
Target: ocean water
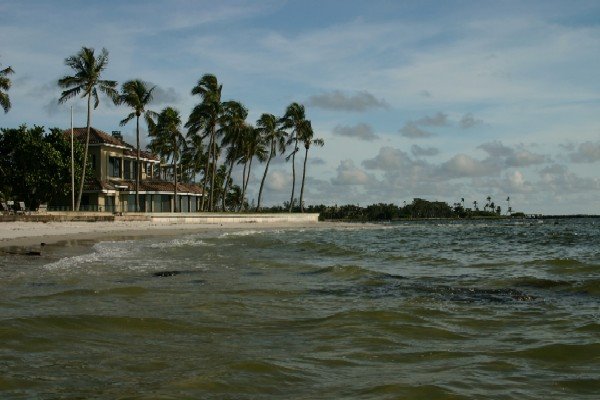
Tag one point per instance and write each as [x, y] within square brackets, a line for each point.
[413, 310]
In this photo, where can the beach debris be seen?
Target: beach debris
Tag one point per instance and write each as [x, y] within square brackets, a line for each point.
[165, 274]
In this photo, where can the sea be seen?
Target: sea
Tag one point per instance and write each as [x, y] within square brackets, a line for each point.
[505, 309]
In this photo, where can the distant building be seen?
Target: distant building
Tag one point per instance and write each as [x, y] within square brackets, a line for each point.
[113, 162]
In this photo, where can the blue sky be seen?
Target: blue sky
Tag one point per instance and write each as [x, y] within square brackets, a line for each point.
[432, 99]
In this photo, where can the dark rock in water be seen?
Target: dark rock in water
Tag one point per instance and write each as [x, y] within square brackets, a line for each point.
[165, 274]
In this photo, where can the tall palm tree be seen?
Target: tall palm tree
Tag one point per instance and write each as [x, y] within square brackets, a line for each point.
[233, 129]
[253, 147]
[307, 139]
[294, 119]
[136, 95]
[88, 69]
[269, 128]
[4, 86]
[167, 132]
[204, 120]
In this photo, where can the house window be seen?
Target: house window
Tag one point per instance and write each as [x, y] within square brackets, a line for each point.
[127, 169]
[114, 167]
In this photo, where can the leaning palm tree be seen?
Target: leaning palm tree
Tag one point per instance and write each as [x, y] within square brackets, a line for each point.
[4, 86]
[167, 133]
[307, 139]
[294, 119]
[233, 130]
[136, 95]
[253, 147]
[269, 128]
[203, 121]
[88, 68]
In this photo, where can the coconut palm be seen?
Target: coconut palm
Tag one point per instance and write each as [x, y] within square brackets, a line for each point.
[4, 86]
[167, 134]
[307, 139]
[294, 119]
[88, 69]
[233, 130]
[269, 128]
[252, 147]
[136, 95]
[203, 121]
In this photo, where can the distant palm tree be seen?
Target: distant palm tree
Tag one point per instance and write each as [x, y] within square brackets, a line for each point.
[233, 130]
[307, 139]
[88, 68]
[252, 147]
[136, 95]
[475, 205]
[294, 119]
[167, 131]
[204, 120]
[5, 84]
[269, 128]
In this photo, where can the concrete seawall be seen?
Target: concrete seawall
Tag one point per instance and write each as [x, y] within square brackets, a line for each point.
[168, 218]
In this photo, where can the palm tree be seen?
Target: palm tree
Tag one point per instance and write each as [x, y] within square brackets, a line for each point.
[269, 128]
[4, 86]
[88, 68]
[136, 95]
[475, 205]
[252, 147]
[204, 120]
[307, 139]
[233, 129]
[294, 119]
[167, 132]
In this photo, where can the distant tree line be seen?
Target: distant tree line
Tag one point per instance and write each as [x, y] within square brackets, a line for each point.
[418, 209]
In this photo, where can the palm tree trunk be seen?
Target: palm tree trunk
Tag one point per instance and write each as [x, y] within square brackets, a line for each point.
[293, 172]
[303, 176]
[247, 180]
[85, 154]
[138, 175]
[213, 173]
[226, 186]
[262, 182]
[205, 178]
[175, 208]
[243, 186]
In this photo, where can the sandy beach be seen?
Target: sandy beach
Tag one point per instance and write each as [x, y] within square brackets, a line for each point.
[31, 234]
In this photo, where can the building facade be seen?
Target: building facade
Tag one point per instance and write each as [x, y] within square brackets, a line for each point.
[114, 166]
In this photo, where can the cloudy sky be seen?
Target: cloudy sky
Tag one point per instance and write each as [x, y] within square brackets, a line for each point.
[434, 99]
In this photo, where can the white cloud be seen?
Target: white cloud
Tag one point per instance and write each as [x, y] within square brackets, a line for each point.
[464, 166]
[350, 174]
[588, 152]
[468, 121]
[417, 150]
[278, 181]
[339, 101]
[411, 130]
[360, 131]
[439, 119]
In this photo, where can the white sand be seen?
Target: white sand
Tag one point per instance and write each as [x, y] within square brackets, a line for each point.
[35, 233]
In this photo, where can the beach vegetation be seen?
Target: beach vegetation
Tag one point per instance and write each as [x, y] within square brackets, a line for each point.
[137, 95]
[269, 128]
[35, 165]
[5, 84]
[294, 120]
[86, 80]
[168, 140]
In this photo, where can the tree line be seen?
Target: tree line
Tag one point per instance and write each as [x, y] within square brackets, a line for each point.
[418, 209]
[215, 138]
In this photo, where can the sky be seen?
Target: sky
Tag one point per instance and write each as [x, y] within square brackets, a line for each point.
[440, 100]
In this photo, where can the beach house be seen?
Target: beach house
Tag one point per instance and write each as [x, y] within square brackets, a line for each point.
[114, 166]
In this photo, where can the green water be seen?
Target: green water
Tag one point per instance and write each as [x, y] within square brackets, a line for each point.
[412, 310]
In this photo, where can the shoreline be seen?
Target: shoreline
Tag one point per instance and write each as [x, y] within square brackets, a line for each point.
[33, 234]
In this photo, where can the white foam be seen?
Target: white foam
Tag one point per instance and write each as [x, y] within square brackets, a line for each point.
[102, 252]
[180, 242]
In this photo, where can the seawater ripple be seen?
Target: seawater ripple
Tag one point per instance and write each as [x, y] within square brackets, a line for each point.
[416, 309]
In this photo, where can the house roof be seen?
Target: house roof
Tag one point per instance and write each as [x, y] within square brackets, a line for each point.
[98, 136]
